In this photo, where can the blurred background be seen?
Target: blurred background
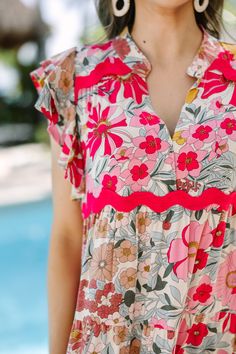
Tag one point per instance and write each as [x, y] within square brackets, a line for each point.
[31, 30]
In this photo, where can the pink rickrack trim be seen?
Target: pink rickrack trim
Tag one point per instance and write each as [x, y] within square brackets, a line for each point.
[156, 203]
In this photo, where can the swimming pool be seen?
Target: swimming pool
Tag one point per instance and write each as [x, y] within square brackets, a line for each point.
[24, 239]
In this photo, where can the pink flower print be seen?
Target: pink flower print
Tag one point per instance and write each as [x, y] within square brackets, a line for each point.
[189, 162]
[160, 323]
[121, 219]
[219, 76]
[121, 154]
[138, 173]
[103, 125]
[110, 180]
[185, 252]
[181, 338]
[135, 310]
[149, 145]
[228, 127]
[95, 348]
[217, 105]
[226, 281]
[229, 323]
[218, 234]
[200, 294]
[142, 118]
[199, 134]
[218, 148]
[114, 318]
[144, 268]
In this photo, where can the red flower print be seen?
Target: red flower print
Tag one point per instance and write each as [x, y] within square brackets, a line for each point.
[229, 321]
[122, 47]
[112, 70]
[109, 182]
[166, 225]
[202, 132]
[218, 234]
[219, 76]
[201, 260]
[148, 119]
[203, 293]
[229, 125]
[108, 301]
[196, 334]
[102, 46]
[53, 114]
[130, 83]
[187, 253]
[200, 294]
[102, 125]
[72, 148]
[188, 161]
[178, 350]
[151, 144]
[139, 172]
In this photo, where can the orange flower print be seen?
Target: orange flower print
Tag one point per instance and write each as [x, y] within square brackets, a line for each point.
[143, 222]
[128, 278]
[65, 82]
[126, 252]
[121, 333]
[68, 63]
[133, 348]
[69, 113]
[101, 264]
[102, 228]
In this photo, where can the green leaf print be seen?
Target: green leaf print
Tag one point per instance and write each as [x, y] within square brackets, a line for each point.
[160, 284]
[156, 349]
[129, 298]
[168, 270]
[198, 214]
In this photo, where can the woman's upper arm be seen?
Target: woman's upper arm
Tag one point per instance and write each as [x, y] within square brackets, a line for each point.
[67, 216]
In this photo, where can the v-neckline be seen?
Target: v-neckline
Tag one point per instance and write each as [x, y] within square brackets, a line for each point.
[201, 60]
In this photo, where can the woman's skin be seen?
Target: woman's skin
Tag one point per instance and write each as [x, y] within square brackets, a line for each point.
[64, 257]
[172, 39]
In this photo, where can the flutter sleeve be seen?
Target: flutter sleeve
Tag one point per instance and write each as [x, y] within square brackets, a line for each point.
[54, 81]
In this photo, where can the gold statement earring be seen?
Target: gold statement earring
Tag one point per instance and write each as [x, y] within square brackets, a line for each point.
[201, 8]
[120, 11]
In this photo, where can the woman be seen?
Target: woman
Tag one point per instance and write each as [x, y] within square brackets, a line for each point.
[144, 125]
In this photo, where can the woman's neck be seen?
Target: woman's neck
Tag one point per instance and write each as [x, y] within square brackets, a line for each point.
[165, 33]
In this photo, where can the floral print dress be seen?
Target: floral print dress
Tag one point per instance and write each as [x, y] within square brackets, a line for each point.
[159, 234]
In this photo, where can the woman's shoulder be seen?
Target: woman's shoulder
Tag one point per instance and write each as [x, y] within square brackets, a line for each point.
[77, 61]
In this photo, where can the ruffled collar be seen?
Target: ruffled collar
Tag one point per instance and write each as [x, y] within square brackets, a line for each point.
[209, 49]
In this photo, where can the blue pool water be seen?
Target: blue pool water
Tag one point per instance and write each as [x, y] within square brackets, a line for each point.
[24, 241]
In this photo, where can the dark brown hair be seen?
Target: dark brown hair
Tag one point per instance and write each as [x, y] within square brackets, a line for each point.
[211, 19]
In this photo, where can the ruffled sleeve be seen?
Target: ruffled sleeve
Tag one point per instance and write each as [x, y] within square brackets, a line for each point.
[54, 81]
